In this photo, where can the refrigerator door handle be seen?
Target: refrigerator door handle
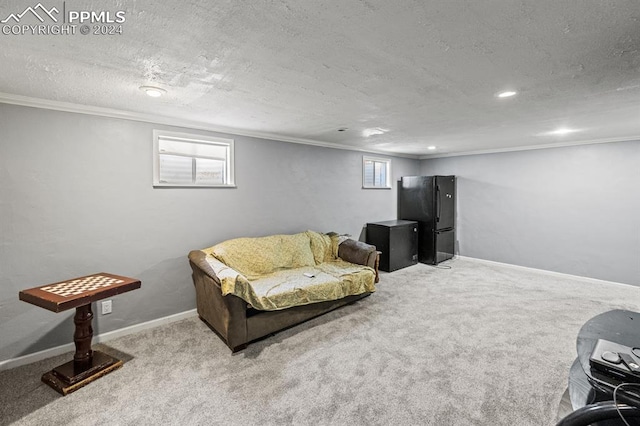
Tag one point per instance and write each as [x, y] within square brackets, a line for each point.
[437, 204]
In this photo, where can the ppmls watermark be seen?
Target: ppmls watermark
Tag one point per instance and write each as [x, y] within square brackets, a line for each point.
[40, 20]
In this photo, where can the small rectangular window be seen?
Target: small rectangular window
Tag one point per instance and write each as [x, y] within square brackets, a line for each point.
[376, 172]
[192, 160]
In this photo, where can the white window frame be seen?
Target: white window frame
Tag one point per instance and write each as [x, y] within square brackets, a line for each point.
[387, 161]
[196, 139]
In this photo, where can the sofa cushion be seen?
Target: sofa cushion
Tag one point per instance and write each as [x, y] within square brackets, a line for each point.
[290, 287]
[256, 257]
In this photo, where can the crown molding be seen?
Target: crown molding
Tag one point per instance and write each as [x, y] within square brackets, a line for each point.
[530, 147]
[27, 101]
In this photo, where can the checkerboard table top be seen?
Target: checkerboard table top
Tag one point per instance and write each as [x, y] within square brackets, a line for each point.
[80, 291]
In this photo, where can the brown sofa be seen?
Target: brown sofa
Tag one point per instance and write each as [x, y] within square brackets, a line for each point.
[237, 322]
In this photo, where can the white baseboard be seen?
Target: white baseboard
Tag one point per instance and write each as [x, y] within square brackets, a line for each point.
[543, 271]
[104, 337]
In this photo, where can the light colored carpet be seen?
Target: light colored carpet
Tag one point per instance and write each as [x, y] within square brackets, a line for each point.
[477, 344]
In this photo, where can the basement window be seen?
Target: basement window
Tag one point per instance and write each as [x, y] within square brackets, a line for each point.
[186, 160]
[376, 172]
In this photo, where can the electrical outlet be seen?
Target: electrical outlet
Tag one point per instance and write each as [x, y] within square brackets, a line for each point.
[106, 307]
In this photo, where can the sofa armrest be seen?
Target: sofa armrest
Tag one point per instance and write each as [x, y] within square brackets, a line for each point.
[224, 276]
[198, 258]
[227, 315]
[358, 252]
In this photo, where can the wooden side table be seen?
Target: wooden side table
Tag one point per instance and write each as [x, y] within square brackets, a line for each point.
[79, 293]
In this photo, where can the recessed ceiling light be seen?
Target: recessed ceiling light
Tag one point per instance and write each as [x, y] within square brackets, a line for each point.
[374, 131]
[562, 131]
[431, 148]
[154, 92]
[507, 94]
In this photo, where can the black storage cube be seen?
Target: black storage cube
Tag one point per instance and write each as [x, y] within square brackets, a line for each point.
[398, 242]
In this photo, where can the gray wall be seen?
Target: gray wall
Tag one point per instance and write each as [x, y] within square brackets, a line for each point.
[76, 198]
[573, 210]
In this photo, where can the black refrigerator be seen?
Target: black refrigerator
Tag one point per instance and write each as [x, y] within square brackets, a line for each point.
[431, 201]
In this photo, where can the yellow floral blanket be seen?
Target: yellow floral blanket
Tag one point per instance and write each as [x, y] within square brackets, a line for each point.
[268, 272]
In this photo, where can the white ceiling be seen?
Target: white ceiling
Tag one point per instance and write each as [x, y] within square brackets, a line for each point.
[426, 71]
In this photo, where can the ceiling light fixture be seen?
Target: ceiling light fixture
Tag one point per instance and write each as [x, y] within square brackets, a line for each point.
[374, 131]
[562, 131]
[431, 148]
[154, 92]
[506, 94]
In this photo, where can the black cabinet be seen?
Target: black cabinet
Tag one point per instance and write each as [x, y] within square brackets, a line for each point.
[398, 242]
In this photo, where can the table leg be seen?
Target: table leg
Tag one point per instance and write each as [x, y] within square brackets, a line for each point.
[82, 337]
[87, 365]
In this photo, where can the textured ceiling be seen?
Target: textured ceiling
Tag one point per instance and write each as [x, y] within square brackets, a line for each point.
[424, 72]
